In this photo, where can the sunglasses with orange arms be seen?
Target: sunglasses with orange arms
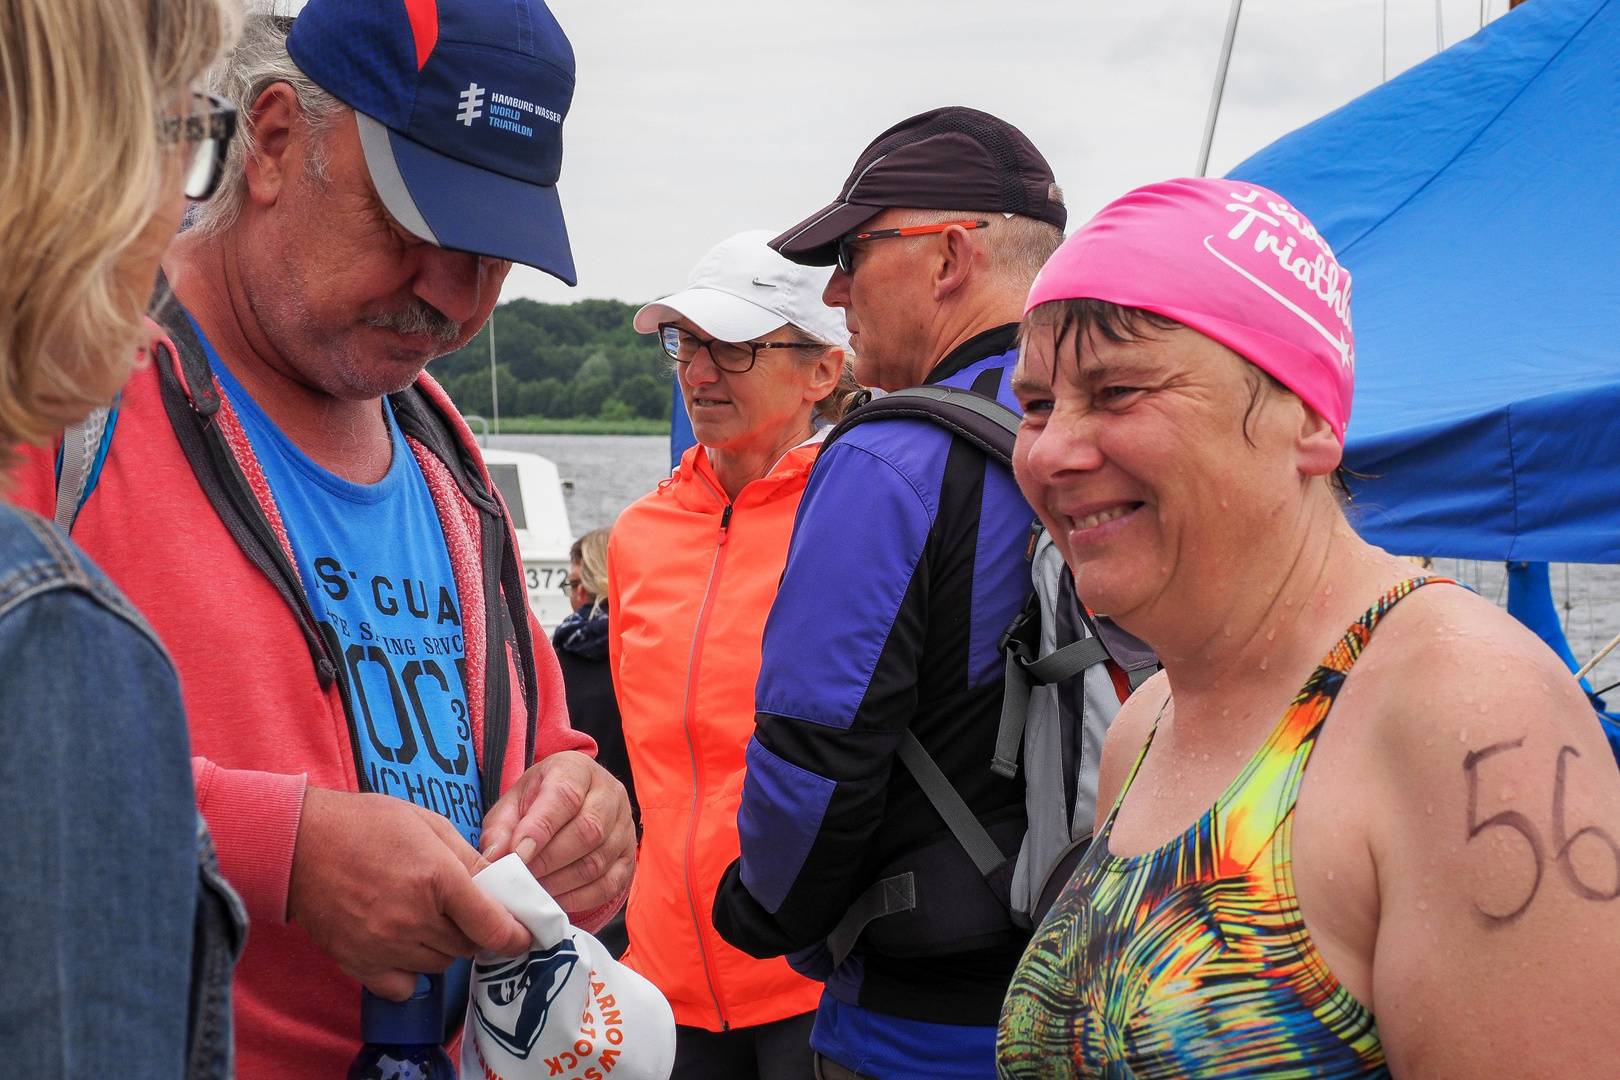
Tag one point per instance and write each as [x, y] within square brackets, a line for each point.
[846, 257]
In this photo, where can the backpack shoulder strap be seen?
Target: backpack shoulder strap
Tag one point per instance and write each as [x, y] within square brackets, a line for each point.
[983, 421]
[506, 601]
[950, 805]
[891, 895]
[1134, 656]
[192, 402]
[78, 464]
[992, 427]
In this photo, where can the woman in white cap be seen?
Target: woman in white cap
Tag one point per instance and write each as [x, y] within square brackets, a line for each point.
[692, 570]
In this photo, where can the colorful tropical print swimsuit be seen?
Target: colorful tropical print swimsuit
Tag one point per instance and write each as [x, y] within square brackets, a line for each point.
[1192, 961]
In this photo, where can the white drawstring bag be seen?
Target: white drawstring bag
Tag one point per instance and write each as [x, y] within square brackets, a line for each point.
[566, 1010]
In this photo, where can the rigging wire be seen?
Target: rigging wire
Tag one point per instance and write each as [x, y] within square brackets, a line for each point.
[1220, 87]
[1439, 28]
[1383, 64]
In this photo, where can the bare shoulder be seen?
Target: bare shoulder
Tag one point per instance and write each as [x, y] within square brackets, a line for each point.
[1494, 824]
[1126, 736]
[1448, 667]
[1459, 698]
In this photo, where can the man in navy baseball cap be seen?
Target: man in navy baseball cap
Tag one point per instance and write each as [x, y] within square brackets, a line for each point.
[306, 521]
[460, 107]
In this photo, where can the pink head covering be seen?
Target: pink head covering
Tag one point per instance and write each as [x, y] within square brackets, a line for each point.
[1234, 262]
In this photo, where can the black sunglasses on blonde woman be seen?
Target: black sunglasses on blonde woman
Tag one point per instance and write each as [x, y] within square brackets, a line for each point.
[210, 131]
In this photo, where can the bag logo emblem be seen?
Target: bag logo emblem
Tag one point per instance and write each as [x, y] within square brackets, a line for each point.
[516, 994]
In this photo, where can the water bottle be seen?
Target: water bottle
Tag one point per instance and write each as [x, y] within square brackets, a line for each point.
[402, 1037]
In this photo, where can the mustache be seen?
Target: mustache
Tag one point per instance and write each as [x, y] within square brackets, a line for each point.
[420, 317]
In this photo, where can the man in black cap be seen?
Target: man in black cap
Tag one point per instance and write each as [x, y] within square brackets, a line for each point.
[937, 235]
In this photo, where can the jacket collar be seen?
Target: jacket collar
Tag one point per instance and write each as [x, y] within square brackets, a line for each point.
[992, 342]
[459, 452]
[696, 486]
[490, 569]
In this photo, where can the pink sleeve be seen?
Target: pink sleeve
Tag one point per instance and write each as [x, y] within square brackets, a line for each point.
[253, 817]
[593, 920]
[33, 480]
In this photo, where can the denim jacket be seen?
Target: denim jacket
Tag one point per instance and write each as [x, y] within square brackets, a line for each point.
[117, 934]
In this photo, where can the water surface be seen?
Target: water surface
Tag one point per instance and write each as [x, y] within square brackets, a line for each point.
[610, 472]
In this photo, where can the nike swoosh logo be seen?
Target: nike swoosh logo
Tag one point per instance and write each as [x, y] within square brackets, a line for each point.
[764, 284]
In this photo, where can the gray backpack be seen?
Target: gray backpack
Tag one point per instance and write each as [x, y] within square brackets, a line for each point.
[1061, 696]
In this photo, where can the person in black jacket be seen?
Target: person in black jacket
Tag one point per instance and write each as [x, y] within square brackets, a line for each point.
[941, 227]
[581, 643]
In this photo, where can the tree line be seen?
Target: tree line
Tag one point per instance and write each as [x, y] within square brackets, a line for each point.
[582, 360]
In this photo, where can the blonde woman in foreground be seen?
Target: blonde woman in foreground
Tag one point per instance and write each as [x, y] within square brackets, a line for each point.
[116, 936]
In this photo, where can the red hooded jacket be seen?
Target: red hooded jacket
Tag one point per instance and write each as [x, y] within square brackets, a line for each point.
[264, 703]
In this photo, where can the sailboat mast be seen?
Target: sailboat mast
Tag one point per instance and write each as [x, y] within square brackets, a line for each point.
[1220, 86]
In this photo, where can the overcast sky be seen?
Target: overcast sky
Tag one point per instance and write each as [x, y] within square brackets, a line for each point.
[695, 120]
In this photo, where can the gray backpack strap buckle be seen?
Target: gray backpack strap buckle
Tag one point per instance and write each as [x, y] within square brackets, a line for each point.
[1026, 668]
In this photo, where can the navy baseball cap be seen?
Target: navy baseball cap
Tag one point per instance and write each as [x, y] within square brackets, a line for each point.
[460, 105]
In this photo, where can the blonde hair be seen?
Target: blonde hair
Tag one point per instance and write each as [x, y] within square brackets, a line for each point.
[83, 87]
[590, 551]
[845, 393]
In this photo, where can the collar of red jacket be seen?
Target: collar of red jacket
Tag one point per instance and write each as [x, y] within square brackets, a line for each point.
[696, 487]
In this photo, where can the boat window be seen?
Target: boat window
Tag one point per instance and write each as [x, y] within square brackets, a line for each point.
[506, 478]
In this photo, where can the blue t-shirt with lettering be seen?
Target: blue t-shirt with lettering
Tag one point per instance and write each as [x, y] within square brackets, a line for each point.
[374, 564]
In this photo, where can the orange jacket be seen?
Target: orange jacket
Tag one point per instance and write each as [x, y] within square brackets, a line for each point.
[690, 582]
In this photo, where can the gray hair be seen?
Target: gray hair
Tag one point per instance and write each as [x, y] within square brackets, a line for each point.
[1018, 246]
[259, 61]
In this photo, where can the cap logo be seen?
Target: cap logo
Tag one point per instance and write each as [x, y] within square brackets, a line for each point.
[472, 99]
[1324, 276]
[764, 284]
[505, 112]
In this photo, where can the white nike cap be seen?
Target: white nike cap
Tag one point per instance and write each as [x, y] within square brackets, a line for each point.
[742, 289]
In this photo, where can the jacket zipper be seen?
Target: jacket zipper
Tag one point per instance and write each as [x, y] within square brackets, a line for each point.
[691, 748]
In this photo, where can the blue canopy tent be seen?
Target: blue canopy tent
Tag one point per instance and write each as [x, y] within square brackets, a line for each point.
[1476, 202]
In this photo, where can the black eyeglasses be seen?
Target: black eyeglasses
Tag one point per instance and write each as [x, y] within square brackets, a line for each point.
[846, 257]
[569, 585]
[682, 346]
[211, 133]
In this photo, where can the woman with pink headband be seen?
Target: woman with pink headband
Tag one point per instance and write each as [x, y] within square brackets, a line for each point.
[1448, 862]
